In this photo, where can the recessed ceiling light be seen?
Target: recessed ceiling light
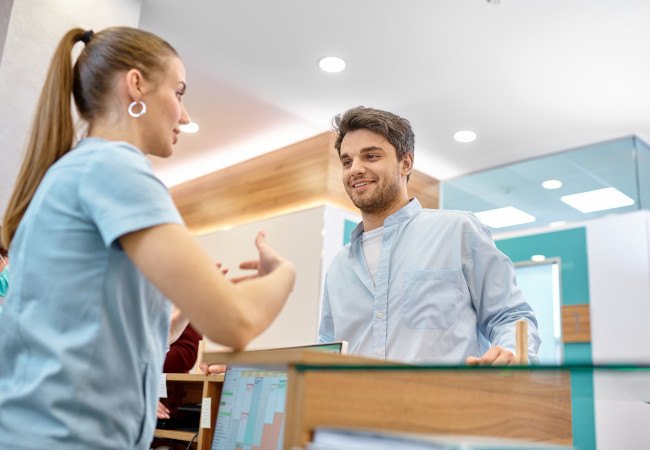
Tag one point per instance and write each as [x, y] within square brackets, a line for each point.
[598, 200]
[538, 258]
[465, 136]
[558, 223]
[552, 184]
[332, 64]
[191, 127]
[504, 217]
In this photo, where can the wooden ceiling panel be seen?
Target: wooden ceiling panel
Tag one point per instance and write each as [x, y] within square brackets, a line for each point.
[299, 176]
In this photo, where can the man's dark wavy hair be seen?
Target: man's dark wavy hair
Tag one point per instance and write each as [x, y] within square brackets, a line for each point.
[392, 127]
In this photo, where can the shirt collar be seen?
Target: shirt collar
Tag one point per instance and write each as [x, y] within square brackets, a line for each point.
[411, 209]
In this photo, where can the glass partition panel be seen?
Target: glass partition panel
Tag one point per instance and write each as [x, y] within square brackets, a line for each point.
[540, 283]
[619, 170]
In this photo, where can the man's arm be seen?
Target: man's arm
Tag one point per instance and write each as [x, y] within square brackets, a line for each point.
[499, 303]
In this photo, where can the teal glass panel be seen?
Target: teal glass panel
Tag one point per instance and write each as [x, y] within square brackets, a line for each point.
[643, 157]
[622, 164]
[540, 284]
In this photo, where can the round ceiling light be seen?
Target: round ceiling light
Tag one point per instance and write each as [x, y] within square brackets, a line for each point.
[191, 127]
[331, 64]
[464, 136]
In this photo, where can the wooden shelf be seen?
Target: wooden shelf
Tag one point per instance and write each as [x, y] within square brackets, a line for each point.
[174, 434]
[193, 388]
[193, 377]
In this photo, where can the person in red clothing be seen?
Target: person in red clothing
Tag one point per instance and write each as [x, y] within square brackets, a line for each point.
[180, 358]
[183, 352]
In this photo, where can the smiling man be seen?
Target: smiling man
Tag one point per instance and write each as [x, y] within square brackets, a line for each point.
[415, 285]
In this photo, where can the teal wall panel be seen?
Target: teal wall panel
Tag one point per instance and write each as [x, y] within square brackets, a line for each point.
[568, 245]
[348, 228]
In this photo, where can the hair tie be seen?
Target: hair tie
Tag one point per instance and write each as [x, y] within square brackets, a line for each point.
[87, 36]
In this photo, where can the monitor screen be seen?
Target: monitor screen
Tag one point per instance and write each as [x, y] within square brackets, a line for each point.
[252, 405]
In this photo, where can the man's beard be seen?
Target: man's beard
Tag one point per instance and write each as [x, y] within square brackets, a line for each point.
[382, 200]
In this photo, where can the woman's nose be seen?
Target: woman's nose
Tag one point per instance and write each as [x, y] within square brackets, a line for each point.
[185, 117]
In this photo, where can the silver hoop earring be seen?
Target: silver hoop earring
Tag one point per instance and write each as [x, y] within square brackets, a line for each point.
[142, 111]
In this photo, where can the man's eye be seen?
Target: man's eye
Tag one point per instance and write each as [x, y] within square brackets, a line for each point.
[346, 163]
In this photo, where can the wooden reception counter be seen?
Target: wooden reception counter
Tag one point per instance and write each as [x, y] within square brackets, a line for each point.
[325, 389]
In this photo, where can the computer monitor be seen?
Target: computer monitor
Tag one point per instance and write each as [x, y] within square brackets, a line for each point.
[252, 405]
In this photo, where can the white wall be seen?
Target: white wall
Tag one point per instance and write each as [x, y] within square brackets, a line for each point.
[619, 287]
[297, 237]
[619, 284]
[310, 239]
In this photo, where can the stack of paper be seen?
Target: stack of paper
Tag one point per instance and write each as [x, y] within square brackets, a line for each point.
[355, 439]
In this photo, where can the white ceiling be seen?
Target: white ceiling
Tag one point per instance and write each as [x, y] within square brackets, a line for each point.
[530, 77]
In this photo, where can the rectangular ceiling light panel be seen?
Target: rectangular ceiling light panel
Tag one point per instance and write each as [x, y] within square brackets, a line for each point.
[504, 217]
[598, 200]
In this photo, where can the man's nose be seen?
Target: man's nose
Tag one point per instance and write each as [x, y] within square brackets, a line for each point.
[357, 166]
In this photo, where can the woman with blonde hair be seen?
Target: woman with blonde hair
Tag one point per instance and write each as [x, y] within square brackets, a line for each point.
[97, 247]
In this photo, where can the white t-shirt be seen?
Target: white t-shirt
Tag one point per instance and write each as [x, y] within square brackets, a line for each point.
[371, 244]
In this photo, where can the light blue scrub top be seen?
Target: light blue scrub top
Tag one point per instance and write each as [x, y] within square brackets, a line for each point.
[83, 332]
[442, 292]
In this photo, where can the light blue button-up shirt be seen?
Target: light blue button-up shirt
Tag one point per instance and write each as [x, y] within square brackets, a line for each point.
[442, 292]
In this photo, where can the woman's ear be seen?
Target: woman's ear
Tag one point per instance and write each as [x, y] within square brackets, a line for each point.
[134, 84]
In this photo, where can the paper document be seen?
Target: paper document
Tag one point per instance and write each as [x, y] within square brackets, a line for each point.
[354, 439]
